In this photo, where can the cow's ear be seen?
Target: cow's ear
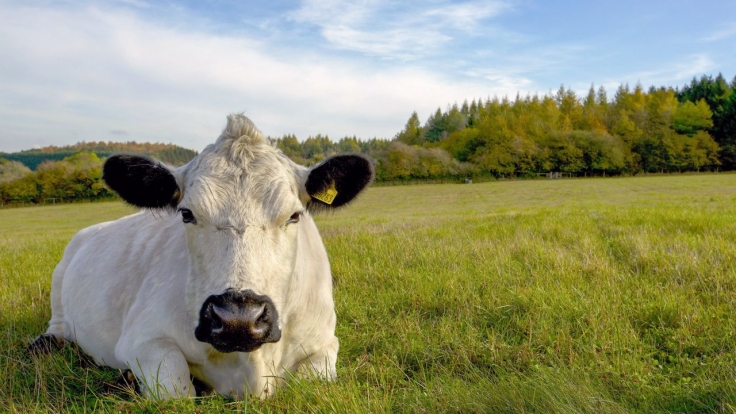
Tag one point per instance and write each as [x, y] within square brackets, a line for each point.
[142, 181]
[336, 181]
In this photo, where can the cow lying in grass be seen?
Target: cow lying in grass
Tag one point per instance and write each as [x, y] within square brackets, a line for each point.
[235, 290]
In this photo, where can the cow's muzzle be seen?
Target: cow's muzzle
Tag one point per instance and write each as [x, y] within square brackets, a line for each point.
[238, 321]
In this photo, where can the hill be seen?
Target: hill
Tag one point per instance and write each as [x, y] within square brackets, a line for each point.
[168, 153]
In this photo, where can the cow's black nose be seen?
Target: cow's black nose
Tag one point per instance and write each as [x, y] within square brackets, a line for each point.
[238, 321]
[249, 318]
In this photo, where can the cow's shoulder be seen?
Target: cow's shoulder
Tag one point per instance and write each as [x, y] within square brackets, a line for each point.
[86, 235]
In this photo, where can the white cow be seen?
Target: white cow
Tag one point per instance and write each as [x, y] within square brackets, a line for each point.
[235, 290]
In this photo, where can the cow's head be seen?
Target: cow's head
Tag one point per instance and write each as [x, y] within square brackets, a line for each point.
[241, 203]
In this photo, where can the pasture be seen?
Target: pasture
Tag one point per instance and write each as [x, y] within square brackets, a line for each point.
[592, 295]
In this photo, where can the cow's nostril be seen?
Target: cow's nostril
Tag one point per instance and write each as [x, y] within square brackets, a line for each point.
[213, 318]
[216, 325]
[264, 316]
[257, 313]
[224, 315]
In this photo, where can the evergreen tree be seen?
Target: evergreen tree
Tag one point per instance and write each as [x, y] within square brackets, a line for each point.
[727, 131]
[435, 127]
[412, 132]
[455, 120]
[348, 145]
[716, 93]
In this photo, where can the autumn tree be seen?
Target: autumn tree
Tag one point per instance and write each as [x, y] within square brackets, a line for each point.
[692, 117]
[12, 170]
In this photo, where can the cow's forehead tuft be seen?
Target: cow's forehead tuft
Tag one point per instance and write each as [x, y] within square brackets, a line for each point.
[240, 148]
[240, 128]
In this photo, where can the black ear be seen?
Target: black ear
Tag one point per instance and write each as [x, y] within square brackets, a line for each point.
[336, 181]
[141, 181]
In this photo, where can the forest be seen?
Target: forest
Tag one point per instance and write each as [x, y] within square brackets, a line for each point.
[75, 178]
[168, 153]
[658, 130]
[71, 173]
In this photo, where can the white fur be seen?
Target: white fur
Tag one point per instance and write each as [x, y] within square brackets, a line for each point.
[129, 292]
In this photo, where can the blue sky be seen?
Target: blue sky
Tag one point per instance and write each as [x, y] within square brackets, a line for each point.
[171, 71]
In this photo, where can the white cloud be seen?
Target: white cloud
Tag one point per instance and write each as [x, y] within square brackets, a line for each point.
[136, 3]
[397, 30]
[464, 17]
[78, 74]
[673, 73]
[510, 84]
[721, 34]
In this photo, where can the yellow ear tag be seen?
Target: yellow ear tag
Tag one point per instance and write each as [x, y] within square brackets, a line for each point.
[327, 196]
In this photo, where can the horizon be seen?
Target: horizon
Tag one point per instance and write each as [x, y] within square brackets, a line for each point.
[134, 70]
[333, 139]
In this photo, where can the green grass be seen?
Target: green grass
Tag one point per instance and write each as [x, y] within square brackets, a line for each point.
[590, 296]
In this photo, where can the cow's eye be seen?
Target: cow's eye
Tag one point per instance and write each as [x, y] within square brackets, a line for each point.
[187, 216]
[294, 218]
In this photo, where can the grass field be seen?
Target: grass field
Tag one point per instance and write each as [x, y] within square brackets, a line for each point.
[594, 295]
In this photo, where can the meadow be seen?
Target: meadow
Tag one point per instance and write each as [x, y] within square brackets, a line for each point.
[602, 295]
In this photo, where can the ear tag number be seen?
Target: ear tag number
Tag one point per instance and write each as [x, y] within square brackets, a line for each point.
[328, 195]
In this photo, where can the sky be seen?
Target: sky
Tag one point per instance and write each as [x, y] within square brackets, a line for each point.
[168, 71]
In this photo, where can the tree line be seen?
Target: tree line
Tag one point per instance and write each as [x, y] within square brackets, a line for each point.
[71, 173]
[656, 130]
[75, 178]
[660, 130]
[168, 153]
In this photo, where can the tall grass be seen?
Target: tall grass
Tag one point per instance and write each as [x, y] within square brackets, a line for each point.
[590, 296]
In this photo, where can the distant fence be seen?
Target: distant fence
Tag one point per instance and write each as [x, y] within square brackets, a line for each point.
[51, 200]
[555, 175]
